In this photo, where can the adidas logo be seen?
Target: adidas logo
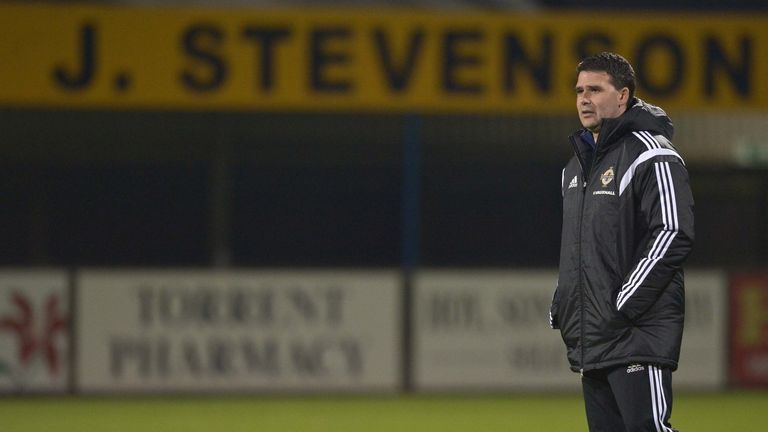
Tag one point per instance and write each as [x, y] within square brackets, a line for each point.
[635, 368]
[574, 182]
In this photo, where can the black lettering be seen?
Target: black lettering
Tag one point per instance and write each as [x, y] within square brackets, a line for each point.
[515, 55]
[256, 308]
[398, 76]
[206, 306]
[82, 77]
[521, 310]
[308, 360]
[454, 61]
[174, 306]
[266, 39]
[335, 303]
[592, 43]
[304, 304]
[322, 58]
[124, 352]
[659, 44]
[202, 44]
[738, 71]
[352, 353]
[455, 311]
[191, 357]
[262, 358]
[220, 353]
[163, 357]
[325, 357]
[146, 303]
[535, 357]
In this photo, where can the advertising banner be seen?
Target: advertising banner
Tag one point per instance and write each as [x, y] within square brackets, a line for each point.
[373, 60]
[703, 356]
[749, 329]
[34, 331]
[254, 331]
[489, 330]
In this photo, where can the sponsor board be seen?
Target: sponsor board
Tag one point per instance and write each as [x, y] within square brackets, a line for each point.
[703, 355]
[749, 330]
[240, 331]
[379, 60]
[34, 331]
[488, 330]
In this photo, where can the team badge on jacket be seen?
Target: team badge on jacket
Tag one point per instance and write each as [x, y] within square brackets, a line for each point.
[607, 177]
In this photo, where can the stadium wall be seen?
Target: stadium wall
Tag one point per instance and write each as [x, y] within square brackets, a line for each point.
[333, 331]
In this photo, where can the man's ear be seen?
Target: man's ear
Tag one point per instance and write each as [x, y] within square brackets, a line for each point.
[623, 96]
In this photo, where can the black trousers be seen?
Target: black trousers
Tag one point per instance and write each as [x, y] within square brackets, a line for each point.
[632, 398]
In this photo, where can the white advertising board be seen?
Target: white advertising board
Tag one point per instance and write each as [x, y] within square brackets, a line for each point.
[489, 331]
[34, 331]
[241, 331]
[703, 356]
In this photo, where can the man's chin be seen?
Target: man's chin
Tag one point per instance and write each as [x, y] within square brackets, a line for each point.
[591, 127]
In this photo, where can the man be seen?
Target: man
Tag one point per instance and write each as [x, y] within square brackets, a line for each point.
[627, 229]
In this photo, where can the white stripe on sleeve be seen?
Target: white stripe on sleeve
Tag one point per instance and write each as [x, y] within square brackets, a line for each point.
[663, 240]
[650, 143]
[654, 149]
[644, 156]
[562, 180]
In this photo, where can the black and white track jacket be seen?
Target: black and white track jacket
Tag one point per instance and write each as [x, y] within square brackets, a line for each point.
[627, 229]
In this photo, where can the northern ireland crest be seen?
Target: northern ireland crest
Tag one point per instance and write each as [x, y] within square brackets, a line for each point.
[607, 177]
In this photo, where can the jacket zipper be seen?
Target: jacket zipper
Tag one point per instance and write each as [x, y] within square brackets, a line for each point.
[585, 176]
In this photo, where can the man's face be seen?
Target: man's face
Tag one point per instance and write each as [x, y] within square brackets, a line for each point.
[597, 99]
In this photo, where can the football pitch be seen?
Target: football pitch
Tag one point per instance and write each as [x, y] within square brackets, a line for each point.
[721, 412]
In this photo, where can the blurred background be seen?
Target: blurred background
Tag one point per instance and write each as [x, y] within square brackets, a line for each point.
[98, 177]
[337, 195]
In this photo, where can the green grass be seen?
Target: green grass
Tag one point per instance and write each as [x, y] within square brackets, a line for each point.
[726, 412]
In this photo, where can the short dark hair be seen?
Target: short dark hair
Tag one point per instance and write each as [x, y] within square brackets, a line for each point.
[617, 67]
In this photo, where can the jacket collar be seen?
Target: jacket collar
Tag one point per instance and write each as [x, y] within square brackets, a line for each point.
[640, 116]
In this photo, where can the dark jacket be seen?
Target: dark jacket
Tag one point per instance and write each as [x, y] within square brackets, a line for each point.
[627, 229]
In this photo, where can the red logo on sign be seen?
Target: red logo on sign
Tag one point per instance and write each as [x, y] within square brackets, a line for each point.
[30, 343]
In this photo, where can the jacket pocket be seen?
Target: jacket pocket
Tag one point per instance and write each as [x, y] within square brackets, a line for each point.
[617, 320]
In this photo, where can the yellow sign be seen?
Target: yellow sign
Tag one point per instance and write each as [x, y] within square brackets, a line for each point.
[353, 60]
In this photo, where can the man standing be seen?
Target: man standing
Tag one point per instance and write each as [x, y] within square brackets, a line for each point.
[627, 229]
